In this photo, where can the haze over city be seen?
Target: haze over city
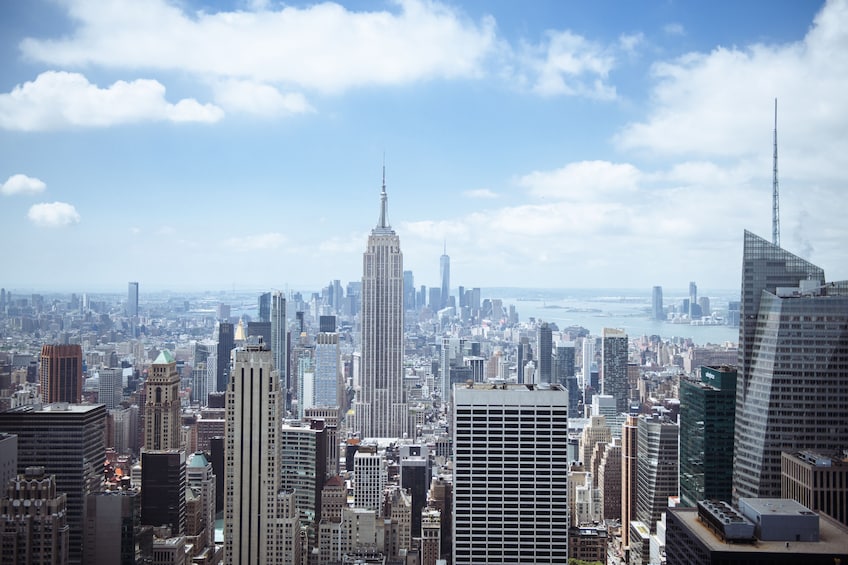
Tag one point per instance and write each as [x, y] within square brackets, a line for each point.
[240, 144]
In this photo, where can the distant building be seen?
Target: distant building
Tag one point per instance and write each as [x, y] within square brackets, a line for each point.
[226, 342]
[162, 405]
[132, 300]
[657, 310]
[444, 277]
[265, 307]
[544, 348]
[656, 469]
[60, 373]
[614, 367]
[495, 436]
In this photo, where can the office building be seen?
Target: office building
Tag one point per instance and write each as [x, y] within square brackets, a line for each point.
[303, 466]
[657, 310]
[694, 310]
[656, 468]
[609, 481]
[114, 533]
[132, 300]
[328, 384]
[8, 458]
[60, 373]
[510, 500]
[707, 416]
[226, 342]
[588, 543]
[252, 469]
[819, 482]
[409, 302]
[201, 480]
[381, 409]
[444, 277]
[629, 461]
[33, 520]
[792, 394]
[588, 360]
[614, 367]
[68, 441]
[163, 484]
[279, 339]
[760, 532]
[162, 406]
[110, 387]
[415, 473]
[369, 478]
[545, 354]
[431, 536]
[265, 307]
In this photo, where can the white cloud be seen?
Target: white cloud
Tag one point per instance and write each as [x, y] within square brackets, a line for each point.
[260, 99]
[22, 184]
[582, 180]
[674, 28]
[58, 99]
[565, 63]
[480, 193]
[264, 241]
[53, 214]
[322, 47]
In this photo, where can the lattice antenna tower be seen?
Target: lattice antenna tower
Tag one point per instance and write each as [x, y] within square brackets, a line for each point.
[775, 195]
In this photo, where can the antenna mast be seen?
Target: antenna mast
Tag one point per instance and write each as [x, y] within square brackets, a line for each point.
[775, 196]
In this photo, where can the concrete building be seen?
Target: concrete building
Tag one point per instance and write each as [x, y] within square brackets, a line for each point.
[656, 468]
[791, 346]
[33, 520]
[817, 481]
[716, 533]
[162, 406]
[68, 440]
[609, 481]
[430, 536]
[252, 468]
[629, 459]
[544, 352]
[369, 478]
[381, 408]
[110, 387]
[113, 530]
[279, 340]
[201, 480]
[303, 466]
[60, 373]
[588, 543]
[510, 474]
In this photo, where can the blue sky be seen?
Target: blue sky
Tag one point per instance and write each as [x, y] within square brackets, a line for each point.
[212, 145]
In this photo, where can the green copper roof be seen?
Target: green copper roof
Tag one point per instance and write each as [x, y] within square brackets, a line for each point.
[198, 459]
[164, 358]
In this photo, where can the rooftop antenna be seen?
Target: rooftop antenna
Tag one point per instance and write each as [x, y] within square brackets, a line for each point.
[775, 196]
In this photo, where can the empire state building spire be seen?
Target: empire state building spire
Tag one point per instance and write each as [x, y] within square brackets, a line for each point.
[383, 223]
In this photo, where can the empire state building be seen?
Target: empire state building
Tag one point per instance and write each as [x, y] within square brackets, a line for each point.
[380, 407]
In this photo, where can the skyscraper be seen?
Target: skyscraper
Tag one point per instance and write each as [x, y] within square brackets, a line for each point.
[408, 291]
[707, 416]
[252, 471]
[132, 300]
[629, 459]
[163, 489]
[544, 350]
[279, 339]
[265, 307]
[60, 373]
[614, 367]
[381, 409]
[226, 341]
[444, 277]
[656, 468]
[328, 383]
[657, 311]
[693, 299]
[68, 441]
[162, 422]
[792, 393]
[510, 494]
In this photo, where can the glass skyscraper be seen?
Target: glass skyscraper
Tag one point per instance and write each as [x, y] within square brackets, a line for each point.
[792, 392]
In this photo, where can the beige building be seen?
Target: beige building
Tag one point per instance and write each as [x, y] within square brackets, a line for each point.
[817, 481]
[162, 424]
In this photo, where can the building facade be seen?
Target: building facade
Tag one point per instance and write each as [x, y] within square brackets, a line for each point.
[60, 373]
[510, 500]
[614, 367]
[162, 405]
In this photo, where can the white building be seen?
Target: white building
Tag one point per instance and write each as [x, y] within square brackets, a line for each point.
[510, 502]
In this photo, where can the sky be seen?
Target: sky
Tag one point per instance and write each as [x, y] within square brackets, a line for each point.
[191, 144]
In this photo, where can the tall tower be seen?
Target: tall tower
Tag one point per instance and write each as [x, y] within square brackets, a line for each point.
[252, 471]
[60, 373]
[444, 276]
[629, 459]
[279, 339]
[381, 409]
[265, 307]
[791, 392]
[132, 300]
[656, 468]
[162, 422]
[614, 367]
[524, 518]
[775, 196]
[657, 312]
[328, 381]
[226, 341]
[544, 348]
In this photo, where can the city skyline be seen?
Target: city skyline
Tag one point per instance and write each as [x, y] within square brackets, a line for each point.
[549, 144]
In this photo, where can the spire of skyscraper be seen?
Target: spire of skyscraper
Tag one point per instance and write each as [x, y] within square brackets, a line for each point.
[775, 196]
[383, 223]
